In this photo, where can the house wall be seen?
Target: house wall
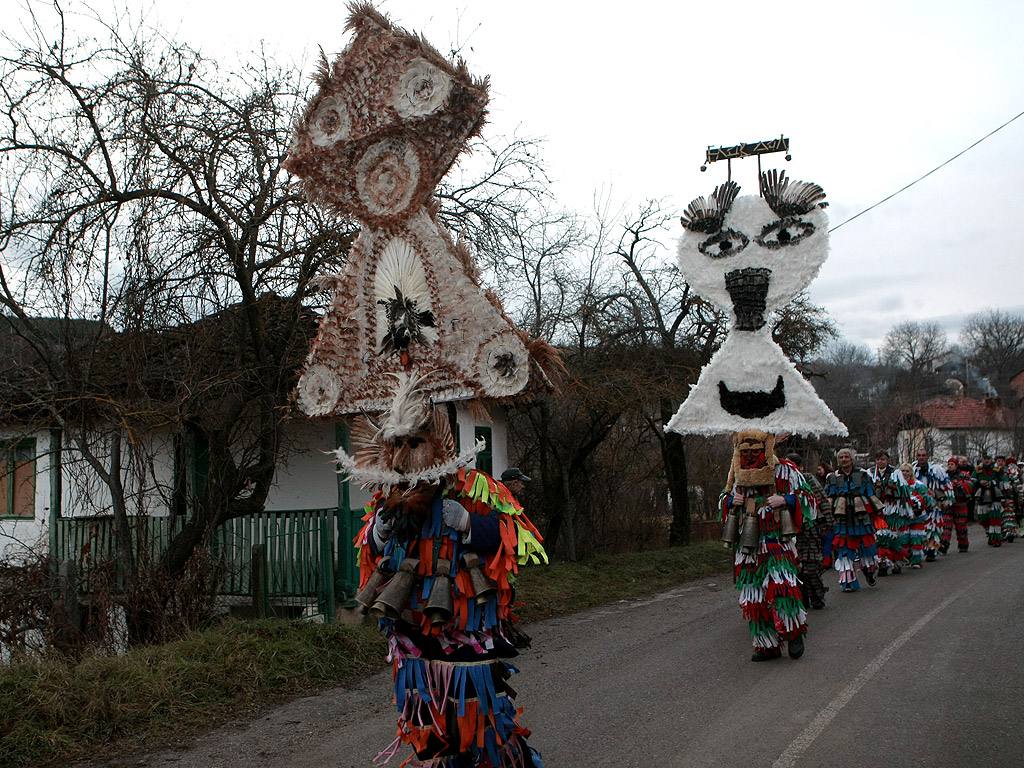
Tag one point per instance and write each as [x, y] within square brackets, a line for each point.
[998, 442]
[306, 479]
[19, 534]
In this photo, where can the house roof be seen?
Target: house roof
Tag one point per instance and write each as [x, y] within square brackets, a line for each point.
[964, 413]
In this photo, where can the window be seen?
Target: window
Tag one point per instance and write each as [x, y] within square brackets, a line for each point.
[484, 458]
[959, 443]
[18, 479]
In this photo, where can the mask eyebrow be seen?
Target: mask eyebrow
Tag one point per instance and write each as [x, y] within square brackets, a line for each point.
[707, 214]
[790, 198]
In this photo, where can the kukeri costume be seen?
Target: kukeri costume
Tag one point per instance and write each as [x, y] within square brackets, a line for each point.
[962, 489]
[935, 477]
[853, 509]
[749, 256]
[893, 539]
[765, 546]
[809, 549]
[988, 496]
[409, 327]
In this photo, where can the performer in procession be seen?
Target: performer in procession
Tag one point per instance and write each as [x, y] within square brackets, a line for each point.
[920, 502]
[892, 492]
[767, 500]
[810, 554]
[853, 508]
[438, 556]
[1008, 502]
[935, 477]
[1013, 477]
[962, 489]
[988, 493]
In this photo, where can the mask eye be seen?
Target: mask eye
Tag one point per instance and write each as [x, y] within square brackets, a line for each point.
[728, 242]
[783, 232]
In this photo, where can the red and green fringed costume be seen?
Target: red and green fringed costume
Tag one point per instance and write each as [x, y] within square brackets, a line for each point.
[767, 578]
[893, 538]
[455, 707]
[962, 488]
[988, 508]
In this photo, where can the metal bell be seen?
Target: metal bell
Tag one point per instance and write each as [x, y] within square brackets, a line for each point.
[482, 586]
[440, 606]
[731, 527]
[368, 594]
[858, 506]
[840, 507]
[787, 526]
[750, 534]
[395, 597]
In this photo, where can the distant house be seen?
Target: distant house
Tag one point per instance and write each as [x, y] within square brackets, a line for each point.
[960, 426]
[1017, 384]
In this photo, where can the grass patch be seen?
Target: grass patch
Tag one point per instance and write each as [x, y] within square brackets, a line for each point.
[563, 588]
[53, 712]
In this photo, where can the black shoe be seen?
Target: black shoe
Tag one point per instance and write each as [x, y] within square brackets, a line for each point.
[870, 576]
[796, 647]
[897, 569]
[944, 549]
[930, 557]
[817, 604]
[883, 570]
[1009, 539]
[762, 655]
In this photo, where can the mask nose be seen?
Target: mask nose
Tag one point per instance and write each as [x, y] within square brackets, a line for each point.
[748, 289]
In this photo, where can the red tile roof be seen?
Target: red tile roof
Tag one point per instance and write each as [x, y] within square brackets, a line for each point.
[965, 413]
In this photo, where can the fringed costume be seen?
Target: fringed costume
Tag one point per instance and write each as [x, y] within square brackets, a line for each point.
[894, 538]
[454, 702]
[765, 552]
[988, 507]
[962, 488]
[920, 503]
[941, 489]
[809, 548]
[1013, 476]
[853, 505]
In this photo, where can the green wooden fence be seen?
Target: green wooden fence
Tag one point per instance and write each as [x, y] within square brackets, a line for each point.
[299, 546]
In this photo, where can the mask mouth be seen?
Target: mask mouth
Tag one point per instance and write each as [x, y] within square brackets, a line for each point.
[748, 289]
[754, 404]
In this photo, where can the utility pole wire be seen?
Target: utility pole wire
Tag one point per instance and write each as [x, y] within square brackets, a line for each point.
[933, 170]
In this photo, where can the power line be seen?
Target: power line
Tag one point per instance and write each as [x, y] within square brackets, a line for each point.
[933, 170]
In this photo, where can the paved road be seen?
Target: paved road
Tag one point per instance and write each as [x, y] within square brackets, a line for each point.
[923, 670]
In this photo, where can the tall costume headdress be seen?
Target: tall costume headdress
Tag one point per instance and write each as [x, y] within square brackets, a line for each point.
[389, 119]
[749, 256]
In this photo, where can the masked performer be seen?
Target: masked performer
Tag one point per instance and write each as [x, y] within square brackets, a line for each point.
[962, 488]
[1012, 471]
[853, 505]
[892, 491]
[935, 477]
[438, 556]
[988, 495]
[920, 503]
[1008, 502]
[810, 554]
[765, 501]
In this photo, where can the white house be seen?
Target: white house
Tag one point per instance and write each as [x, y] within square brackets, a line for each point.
[957, 426]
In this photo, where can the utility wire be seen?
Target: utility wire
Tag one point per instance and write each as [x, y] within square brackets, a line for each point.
[933, 170]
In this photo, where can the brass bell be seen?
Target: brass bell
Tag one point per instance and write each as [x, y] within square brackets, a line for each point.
[368, 594]
[787, 526]
[858, 506]
[482, 586]
[440, 605]
[731, 527]
[750, 534]
[840, 508]
[395, 597]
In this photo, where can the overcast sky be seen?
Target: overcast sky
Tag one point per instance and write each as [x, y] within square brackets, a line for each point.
[627, 97]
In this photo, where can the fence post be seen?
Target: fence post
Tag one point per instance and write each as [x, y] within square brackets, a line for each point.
[258, 581]
[67, 589]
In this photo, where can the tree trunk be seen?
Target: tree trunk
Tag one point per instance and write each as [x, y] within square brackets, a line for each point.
[673, 455]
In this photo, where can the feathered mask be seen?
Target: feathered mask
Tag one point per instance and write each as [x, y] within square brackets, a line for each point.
[412, 444]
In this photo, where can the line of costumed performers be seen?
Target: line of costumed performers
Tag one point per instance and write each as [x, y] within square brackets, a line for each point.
[410, 337]
[749, 256]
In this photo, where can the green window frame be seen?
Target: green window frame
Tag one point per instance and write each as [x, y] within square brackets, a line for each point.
[484, 459]
[18, 479]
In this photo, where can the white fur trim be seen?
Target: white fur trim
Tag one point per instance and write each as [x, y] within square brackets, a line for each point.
[386, 479]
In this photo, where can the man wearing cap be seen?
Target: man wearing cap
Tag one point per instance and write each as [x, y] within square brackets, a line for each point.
[962, 488]
[514, 479]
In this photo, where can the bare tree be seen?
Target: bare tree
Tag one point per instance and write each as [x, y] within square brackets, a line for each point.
[914, 346]
[142, 190]
[994, 342]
